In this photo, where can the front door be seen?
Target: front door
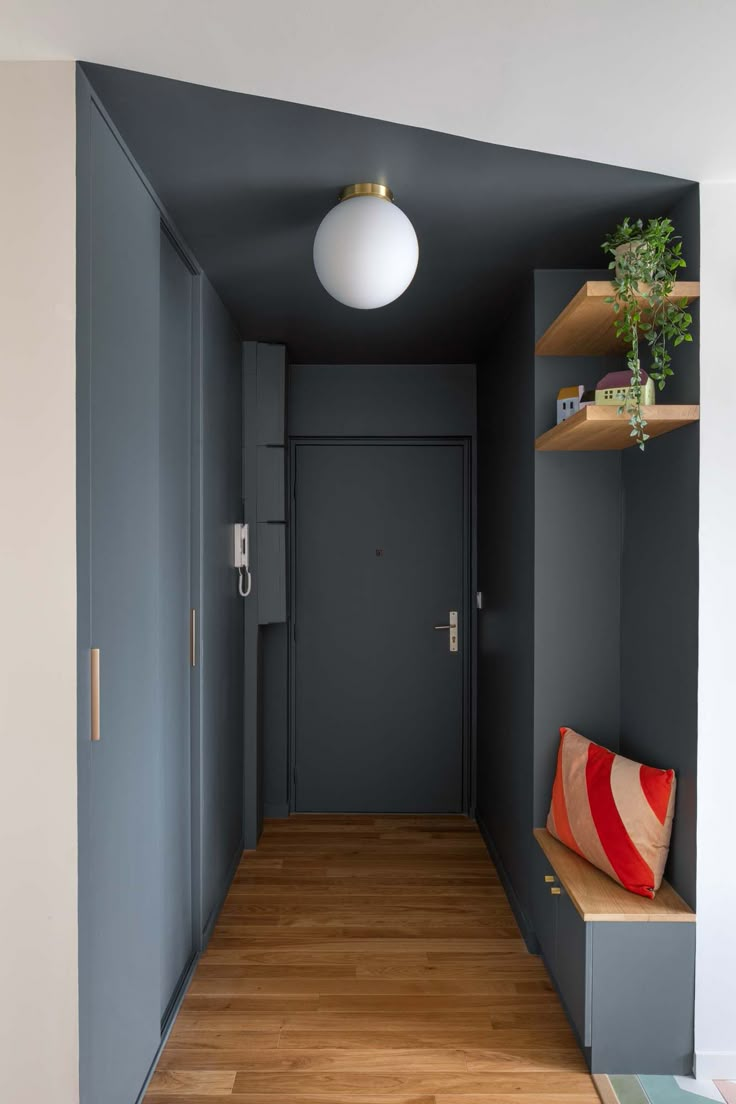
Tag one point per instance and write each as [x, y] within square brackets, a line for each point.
[379, 562]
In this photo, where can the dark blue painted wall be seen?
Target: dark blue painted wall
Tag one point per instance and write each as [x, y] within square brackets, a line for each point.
[659, 571]
[577, 561]
[504, 777]
[588, 565]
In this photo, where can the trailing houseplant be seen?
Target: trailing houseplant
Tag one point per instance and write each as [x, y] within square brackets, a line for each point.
[645, 261]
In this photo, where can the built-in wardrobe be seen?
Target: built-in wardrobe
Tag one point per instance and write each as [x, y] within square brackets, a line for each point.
[160, 621]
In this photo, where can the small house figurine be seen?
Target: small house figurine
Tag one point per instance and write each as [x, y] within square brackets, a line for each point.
[615, 389]
[568, 402]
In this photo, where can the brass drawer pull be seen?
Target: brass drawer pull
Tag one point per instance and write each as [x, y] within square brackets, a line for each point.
[555, 890]
[549, 877]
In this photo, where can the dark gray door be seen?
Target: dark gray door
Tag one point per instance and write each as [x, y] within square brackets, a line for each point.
[119, 782]
[378, 695]
[177, 945]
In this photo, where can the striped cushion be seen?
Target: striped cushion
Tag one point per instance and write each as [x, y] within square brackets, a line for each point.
[614, 812]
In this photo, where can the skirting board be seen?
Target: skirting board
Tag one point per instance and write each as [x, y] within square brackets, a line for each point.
[276, 812]
[604, 1088]
[712, 1066]
[527, 932]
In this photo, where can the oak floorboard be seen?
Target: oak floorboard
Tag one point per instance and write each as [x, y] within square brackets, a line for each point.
[369, 960]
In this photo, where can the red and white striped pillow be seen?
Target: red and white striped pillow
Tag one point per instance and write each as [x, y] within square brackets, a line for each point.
[614, 812]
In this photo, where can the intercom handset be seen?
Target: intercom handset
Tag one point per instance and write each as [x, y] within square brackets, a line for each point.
[241, 542]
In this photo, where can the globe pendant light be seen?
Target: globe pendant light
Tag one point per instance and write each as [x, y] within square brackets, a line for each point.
[366, 249]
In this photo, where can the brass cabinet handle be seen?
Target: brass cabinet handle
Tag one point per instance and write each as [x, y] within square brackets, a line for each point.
[94, 694]
[549, 877]
[555, 890]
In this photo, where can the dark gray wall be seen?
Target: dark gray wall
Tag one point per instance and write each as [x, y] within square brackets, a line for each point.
[549, 568]
[577, 628]
[381, 400]
[264, 488]
[504, 777]
[577, 561]
[222, 608]
[275, 690]
[659, 610]
[353, 400]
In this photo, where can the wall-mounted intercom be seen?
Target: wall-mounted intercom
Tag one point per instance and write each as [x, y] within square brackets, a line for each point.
[241, 550]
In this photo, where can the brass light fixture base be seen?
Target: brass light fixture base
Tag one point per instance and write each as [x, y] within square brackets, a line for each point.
[378, 190]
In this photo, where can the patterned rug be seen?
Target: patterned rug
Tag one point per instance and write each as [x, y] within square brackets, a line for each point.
[646, 1089]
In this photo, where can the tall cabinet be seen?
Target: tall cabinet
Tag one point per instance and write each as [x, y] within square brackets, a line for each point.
[159, 484]
[118, 536]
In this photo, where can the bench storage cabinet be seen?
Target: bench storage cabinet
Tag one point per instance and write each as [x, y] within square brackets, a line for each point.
[624, 966]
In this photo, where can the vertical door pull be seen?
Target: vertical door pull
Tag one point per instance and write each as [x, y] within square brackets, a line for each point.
[193, 637]
[94, 694]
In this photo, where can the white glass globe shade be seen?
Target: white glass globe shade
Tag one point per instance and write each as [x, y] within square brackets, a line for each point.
[365, 252]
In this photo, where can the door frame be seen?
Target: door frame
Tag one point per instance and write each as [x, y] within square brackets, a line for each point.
[467, 612]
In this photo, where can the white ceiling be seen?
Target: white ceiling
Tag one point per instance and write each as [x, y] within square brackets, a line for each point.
[648, 84]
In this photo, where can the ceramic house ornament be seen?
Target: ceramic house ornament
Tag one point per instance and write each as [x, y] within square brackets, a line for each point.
[568, 402]
[615, 389]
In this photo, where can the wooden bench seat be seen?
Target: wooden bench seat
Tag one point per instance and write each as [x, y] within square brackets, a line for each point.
[597, 898]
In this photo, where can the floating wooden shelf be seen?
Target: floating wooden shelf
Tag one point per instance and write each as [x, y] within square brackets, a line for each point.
[603, 429]
[598, 897]
[586, 325]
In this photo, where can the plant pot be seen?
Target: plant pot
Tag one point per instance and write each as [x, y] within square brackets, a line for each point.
[623, 250]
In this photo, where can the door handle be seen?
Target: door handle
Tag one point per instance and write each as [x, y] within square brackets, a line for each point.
[451, 628]
[94, 695]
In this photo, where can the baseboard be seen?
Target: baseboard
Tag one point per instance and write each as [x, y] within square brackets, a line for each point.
[714, 1066]
[526, 929]
[605, 1089]
[209, 926]
[276, 812]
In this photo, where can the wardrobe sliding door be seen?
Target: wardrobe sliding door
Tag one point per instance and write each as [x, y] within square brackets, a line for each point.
[135, 334]
[118, 500]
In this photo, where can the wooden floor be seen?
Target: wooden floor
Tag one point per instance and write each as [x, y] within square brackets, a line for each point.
[367, 960]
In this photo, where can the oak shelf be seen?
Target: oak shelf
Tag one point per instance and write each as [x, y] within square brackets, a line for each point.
[603, 429]
[598, 898]
[586, 326]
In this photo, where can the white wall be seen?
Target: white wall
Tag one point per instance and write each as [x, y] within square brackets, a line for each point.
[715, 985]
[38, 780]
[566, 76]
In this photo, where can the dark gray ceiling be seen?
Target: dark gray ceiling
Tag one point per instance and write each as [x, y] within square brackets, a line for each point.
[247, 180]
